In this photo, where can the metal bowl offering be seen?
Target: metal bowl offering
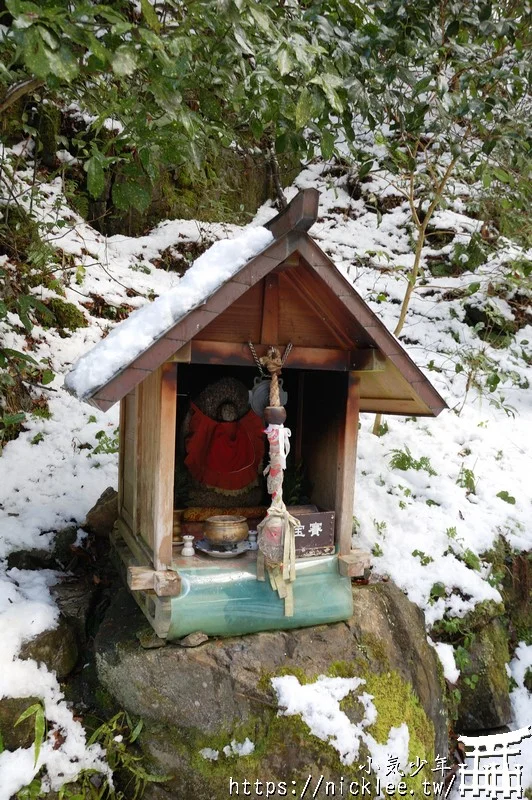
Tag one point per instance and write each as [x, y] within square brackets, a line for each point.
[225, 529]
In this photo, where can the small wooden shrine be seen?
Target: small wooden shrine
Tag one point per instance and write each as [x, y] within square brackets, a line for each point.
[192, 443]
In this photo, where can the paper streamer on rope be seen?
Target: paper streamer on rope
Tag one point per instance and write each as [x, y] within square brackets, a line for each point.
[276, 533]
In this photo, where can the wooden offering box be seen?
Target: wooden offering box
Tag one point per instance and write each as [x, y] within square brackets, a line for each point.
[343, 360]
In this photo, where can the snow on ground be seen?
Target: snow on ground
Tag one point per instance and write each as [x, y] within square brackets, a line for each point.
[466, 480]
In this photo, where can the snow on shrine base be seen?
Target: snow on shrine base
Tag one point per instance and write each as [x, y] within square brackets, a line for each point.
[224, 598]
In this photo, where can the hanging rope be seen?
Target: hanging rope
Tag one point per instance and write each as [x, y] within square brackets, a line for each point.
[276, 539]
[273, 363]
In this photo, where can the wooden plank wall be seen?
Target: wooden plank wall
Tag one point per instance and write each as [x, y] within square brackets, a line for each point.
[156, 412]
[330, 429]
[127, 491]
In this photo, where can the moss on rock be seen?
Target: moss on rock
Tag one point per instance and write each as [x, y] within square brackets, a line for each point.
[482, 614]
[484, 684]
[229, 188]
[285, 749]
[66, 315]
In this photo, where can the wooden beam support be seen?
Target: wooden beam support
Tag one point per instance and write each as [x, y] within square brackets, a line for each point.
[236, 354]
[345, 476]
[158, 610]
[354, 564]
[165, 583]
[299, 215]
[183, 355]
[368, 361]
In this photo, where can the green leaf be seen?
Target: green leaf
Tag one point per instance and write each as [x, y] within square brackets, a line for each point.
[16, 354]
[484, 12]
[47, 377]
[150, 15]
[506, 497]
[257, 129]
[281, 143]
[492, 381]
[303, 109]
[452, 29]
[329, 83]
[261, 19]
[438, 590]
[121, 27]
[40, 729]
[242, 40]
[124, 61]
[423, 84]
[98, 49]
[110, 14]
[35, 54]
[365, 169]
[24, 303]
[501, 175]
[30, 710]
[8, 420]
[151, 39]
[63, 65]
[48, 38]
[25, 14]
[327, 144]
[136, 732]
[147, 159]
[284, 61]
[95, 176]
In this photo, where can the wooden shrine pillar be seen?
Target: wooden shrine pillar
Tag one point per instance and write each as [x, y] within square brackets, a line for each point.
[345, 477]
[353, 563]
[156, 415]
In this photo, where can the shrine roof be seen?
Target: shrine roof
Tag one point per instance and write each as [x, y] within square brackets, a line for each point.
[153, 334]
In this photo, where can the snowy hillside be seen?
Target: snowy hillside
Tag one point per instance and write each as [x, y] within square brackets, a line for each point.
[432, 496]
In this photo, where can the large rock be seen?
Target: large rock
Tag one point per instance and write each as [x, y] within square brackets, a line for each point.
[57, 648]
[483, 684]
[75, 598]
[204, 697]
[104, 513]
[23, 734]
[60, 556]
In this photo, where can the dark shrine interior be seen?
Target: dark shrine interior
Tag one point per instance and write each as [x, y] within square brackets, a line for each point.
[314, 408]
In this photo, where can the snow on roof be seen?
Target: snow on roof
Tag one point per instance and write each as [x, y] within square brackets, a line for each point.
[147, 324]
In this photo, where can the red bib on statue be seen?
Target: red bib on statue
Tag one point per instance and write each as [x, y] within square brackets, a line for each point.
[224, 455]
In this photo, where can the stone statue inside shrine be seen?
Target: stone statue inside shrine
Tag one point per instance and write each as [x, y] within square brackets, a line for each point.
[223, 442]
